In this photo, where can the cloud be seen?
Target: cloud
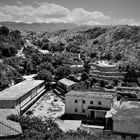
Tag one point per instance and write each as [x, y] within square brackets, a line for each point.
[81, 16]
[50, 12]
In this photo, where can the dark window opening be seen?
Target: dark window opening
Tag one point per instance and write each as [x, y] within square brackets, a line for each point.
[91, 102]
[76, 101]
[84, 102]
[76, 110]
[99, 103]
[83, 111]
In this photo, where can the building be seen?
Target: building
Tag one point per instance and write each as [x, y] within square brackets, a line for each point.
[126, 121]
[21, 95]
[8, 129]
[45, 54]
[93, 104]
[66, 84]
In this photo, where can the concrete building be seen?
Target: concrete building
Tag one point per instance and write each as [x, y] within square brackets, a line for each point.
[66, 84]
[21, 95]
[93, 104]
[126, 121]
[9, 130]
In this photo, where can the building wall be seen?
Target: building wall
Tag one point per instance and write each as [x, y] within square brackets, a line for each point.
[29, 96]
[7, 104]
[100, 114]
[81, 108]
[65, 87]
[129, 127]
[69, 88]
[20, 102]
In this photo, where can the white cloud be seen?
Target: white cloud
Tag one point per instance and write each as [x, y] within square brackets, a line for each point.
[50, 12]
[81, 16]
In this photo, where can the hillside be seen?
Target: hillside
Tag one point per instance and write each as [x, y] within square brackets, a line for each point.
[113, 43]
[20, 55]
[19, 51]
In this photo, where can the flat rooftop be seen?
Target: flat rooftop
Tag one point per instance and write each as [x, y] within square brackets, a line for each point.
[128, 111]
[67, 82]
[88, 94]
[16, 91]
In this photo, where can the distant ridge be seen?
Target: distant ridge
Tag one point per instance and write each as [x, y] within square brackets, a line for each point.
[39, 27]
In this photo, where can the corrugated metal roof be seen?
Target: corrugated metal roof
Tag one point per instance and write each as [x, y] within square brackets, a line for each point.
[18, 90]
[7, 127]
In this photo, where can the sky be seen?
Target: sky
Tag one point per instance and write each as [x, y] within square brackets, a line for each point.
[81, 12]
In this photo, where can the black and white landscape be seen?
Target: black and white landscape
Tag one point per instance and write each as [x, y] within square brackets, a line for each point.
[69, 70]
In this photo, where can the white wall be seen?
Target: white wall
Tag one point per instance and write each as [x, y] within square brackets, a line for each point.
[70, 104]
[130, 127]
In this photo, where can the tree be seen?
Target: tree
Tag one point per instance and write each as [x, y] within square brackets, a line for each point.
[4, 31]
[46, 66]
[87, 66]
[84, 76]
[62, 71]
[44, 75]
[102, 83]
[35, 128]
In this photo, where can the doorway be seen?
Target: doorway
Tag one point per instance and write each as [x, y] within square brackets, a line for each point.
[93, 114]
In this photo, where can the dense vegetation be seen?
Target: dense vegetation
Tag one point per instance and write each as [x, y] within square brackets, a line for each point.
[20, 55]
[35, 128]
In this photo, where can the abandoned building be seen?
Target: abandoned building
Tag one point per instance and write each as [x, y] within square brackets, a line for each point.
[66, 84]
[126, 121]
[93, 104]
[21, 95]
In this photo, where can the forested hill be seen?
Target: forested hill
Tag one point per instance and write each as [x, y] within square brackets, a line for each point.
[113, 43]
[19, 50]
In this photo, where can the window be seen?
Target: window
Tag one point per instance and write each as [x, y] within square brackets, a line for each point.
[91, 102]
[76, 110]
[83, 111]
[84, 102]
[76, 101]
[99, 103]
